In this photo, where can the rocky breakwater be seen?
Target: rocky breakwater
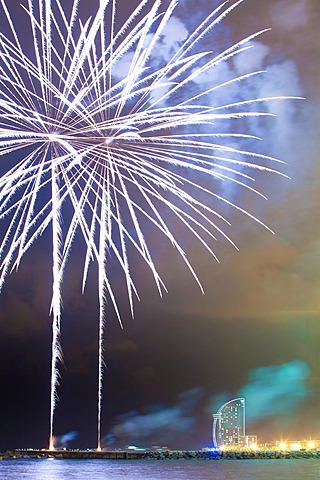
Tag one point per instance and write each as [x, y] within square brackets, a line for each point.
[230, 455]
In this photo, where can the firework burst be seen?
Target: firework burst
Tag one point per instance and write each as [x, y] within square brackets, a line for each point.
[116, 148]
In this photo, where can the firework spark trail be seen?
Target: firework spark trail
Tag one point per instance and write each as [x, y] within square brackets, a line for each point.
[75, 129]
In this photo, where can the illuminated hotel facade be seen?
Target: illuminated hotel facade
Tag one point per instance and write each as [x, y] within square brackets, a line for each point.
[228, 430]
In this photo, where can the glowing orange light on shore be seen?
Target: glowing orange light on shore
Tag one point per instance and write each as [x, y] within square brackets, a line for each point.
[296, 446]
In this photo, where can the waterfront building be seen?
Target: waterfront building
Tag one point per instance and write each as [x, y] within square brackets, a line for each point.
[228, 430]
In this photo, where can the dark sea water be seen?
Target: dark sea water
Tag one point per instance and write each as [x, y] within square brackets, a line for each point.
[159, 470]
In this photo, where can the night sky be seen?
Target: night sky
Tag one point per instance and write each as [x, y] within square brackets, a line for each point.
[256, 331]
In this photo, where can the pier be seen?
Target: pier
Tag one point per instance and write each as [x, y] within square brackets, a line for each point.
[78, 454]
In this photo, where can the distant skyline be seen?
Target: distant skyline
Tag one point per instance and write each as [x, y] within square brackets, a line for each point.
[256, 331]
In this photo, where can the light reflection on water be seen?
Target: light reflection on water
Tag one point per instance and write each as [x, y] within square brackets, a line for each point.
[159, 470]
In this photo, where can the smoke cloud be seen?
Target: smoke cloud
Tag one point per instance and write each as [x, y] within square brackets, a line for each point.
[276, 390]
[290, 14]
[63, 440]
[161, 425]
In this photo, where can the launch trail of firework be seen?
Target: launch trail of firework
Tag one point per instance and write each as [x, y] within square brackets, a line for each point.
[115, 149]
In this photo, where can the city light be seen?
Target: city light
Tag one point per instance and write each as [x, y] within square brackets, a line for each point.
[295, 446]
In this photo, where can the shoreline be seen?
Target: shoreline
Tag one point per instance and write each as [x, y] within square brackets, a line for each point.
[157, 455]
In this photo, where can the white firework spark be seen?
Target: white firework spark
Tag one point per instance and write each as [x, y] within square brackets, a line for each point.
[115, 150]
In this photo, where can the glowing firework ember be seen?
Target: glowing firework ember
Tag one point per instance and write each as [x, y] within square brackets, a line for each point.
[116, 148]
